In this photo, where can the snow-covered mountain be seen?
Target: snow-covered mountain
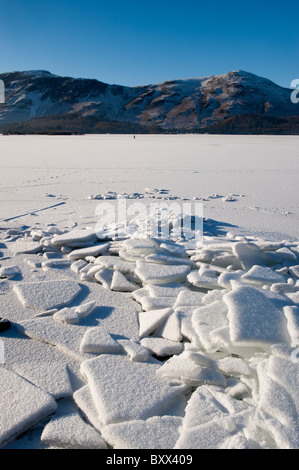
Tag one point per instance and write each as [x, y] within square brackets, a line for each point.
[38, 101]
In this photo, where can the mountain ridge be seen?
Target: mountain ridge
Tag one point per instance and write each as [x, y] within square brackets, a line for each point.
[38, 101]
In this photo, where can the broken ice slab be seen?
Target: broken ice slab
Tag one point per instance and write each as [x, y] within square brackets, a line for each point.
[51, 376]
[85, 309]
[9, 271]
[161, 346]
[71, 432]
[73, 315]
[135, 351]
[234, 366]
[158, 432]
[78, 265]
[179, 367]
[94, 250]
[225, 279]
[248, 254]
[226, 259]
[156, 303]
[260, 275]
[85, 403]
[170, 328]
[208, 318]
[25, 246]
[136, 246]
[173, 248]
[160, 258]
[66, 337]
[183, 367]
[254, 320]
[278, 408]
[216, 434]
[123, 390]
[284, 288]
[121, 284]
[30, 405]
[200, 358]
[149, 321]
[98, 340]
[160, 274]
[55, 264]
[171, 289]
[115, 263]
[188, 297]
[75, 238]
[187, 330]
[206, 282]
[213, 295]
[284, 254]
[212, 417]
[292, 317]
[294, 270]
[47, 295]
[67, 315]
[104, 277]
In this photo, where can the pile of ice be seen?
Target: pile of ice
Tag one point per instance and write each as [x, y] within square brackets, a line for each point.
[214, 362]
[160, 193]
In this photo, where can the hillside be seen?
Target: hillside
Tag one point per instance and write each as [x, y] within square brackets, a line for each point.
[236, 102]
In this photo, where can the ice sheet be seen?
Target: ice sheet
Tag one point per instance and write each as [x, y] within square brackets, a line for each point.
[98, 340]
[46, 295]
[153, 433]
[250, 242]
[160, 274]
[31, 405]
[71, 432]
[253, 318]
[115, 380]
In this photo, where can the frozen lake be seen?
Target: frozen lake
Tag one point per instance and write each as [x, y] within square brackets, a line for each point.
[262, 173]
[149, 343]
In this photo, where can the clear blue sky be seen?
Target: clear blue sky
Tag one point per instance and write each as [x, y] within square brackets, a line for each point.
[136, 42]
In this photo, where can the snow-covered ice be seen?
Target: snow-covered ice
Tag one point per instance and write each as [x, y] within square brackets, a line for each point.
[98, 340]
[30, 405]
[158, 432]
[71, 432]
[253, 319]
[47, 294]
[150, 273]
[136, 342]
[114, 380]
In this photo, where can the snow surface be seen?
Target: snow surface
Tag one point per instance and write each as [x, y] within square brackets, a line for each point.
[138, 343]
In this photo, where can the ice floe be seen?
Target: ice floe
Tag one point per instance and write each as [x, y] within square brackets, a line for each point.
[160, 274]
[47, 294]
[158, 432]
[163, 343]
[30, 405]
[9, 271]
[98, 340]
[113, 382]
[253, 319]
[71, 432]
